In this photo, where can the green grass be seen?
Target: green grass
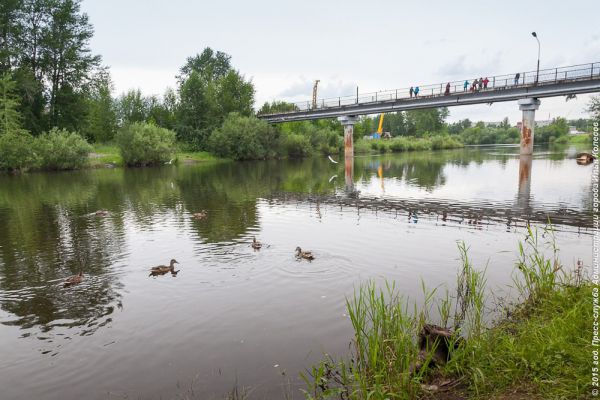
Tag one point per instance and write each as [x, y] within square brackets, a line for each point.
[108, 153]
[402, 144]
[583, 139]
[539, 349]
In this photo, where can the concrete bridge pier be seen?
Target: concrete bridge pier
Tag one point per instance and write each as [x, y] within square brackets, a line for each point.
[348, 124]
[528, 106]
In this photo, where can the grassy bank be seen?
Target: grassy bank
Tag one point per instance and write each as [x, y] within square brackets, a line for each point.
[403, 144]
[537, 349]
[108, 153]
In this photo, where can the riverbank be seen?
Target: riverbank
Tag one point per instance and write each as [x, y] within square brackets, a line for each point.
[108, 155]
[537, 349]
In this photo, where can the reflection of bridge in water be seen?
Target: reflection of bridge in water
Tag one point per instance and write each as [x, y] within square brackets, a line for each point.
[519, 213]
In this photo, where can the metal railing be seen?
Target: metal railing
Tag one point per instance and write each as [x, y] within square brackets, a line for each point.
[497, 82]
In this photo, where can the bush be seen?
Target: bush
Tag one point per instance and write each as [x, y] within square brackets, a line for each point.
[142, 144]
[244, 138]
[16, 151]
[296, 146]
[61, 149]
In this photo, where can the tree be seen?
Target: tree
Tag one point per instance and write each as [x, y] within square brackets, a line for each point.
[431, 120]
[10, 118]
[132, 107]
[276, 107]
[10, 30]
[101, 123]
[210, 89]
[66, 61]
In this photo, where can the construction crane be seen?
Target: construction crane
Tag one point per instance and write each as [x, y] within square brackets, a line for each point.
[380, 134]
[314, 102]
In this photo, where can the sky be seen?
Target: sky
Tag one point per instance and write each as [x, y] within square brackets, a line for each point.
[378, 45]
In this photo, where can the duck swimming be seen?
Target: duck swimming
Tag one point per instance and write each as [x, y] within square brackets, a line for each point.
[307, 255]
[256, 245]
[74, 280]
[585, 158]
[163, 269]
[200, 215]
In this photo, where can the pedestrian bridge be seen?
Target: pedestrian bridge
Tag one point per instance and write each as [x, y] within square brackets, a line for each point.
[560, 81]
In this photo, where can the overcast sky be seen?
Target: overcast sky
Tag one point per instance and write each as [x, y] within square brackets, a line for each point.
[375, 45]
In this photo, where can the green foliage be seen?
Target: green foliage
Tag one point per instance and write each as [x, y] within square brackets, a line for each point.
[541, 340]
[549, 133]
[405, 143]
[60, 149]
[296, 146]
[145, 144]
[10, 118]
[16, 151]
[276, 107]
[209, 89]
[481, 134]
[244, 138]
[101, 123]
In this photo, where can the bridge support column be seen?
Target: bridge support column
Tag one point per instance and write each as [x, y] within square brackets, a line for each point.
[348, 124]
[528, 106]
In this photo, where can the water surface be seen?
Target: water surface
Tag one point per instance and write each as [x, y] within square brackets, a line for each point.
[233, 314]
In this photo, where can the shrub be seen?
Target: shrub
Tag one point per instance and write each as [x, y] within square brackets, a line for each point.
[244, 138]
[141, 144]
[16, 151]
[61, 149]
[296, 146]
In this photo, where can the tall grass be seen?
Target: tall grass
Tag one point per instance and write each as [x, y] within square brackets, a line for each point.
[539, 350]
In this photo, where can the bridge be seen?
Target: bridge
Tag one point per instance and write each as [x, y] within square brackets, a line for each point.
[526, 87]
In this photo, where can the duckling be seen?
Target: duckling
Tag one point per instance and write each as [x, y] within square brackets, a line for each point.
[74, 280]
[307, 255]
[256, 245]
[163, 269]
[200, 215]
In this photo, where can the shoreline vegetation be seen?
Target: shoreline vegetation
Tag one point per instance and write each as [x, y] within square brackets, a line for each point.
[536, 348]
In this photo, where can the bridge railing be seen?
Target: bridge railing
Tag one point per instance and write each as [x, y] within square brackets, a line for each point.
[497, 82]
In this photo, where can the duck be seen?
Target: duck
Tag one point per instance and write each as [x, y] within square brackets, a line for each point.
[200, 215]
[256, 245]
[74, 280]
[307, 255]
[101, 213]
[163, 269]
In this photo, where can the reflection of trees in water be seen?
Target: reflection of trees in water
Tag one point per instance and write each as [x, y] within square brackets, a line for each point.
[46, 236]
[48, 230]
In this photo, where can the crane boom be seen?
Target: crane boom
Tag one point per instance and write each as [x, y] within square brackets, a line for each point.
[380, 129]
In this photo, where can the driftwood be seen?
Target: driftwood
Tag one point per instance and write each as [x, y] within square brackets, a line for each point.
[585, 158]
[435, 344]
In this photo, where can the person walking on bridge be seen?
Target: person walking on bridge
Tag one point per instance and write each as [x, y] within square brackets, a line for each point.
[465, 86]
[485, 82]
[416, 91]
[480, 83]
[517, 76]
[411, 91]
[447, 92]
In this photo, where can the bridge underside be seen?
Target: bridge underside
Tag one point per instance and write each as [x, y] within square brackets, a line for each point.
[498, 94]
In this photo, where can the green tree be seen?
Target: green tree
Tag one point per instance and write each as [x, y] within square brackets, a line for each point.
[101, 114]
[10, 118]
[209, 89]
[132, 107]
[67, 61]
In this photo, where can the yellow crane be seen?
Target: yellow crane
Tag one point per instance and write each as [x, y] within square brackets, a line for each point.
[380, 128]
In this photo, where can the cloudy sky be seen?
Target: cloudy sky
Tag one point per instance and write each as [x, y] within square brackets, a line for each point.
[375, 45]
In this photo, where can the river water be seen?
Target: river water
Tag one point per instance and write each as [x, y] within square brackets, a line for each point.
[235, 316]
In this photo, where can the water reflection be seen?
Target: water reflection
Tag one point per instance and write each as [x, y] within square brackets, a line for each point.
[50, 229]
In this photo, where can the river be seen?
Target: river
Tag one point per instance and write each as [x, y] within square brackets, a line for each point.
[235, 316]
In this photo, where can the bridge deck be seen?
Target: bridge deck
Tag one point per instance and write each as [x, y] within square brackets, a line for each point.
[549, 83]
